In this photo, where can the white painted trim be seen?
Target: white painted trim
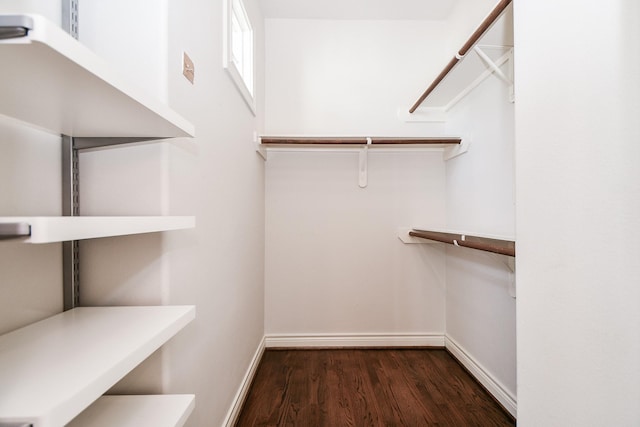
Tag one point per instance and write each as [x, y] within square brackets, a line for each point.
[241, 395]
[495, 387]
[229, 65]
[354, 340]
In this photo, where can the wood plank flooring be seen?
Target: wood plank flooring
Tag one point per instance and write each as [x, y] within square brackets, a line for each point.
[367, 387]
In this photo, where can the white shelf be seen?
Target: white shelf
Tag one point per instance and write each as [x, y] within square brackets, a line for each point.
[60, 229]
[136, 411]
[52, 370]
[52, 81]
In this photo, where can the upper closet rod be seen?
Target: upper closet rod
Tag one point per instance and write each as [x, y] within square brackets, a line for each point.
[477, 34]
[356, 141]
[497, 246]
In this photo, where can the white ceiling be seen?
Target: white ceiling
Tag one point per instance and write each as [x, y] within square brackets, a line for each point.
[358, 9]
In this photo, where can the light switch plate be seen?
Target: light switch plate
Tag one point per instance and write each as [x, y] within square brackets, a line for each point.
[188, 69]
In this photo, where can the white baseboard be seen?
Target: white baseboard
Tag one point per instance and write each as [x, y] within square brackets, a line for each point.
[497, 390]
[354, 340]
[241, 395]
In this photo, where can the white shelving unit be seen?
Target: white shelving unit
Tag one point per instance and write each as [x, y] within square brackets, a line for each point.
[63, 87]
[52, 370]
[60, 85]
[60, 229]
[135, 411]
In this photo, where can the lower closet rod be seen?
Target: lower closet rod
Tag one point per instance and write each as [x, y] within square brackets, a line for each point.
[497, 246]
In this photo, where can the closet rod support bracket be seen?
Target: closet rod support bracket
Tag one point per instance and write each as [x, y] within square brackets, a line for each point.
[363, 166]
[511, 264]
[495, 68]
[457, 150]
[403, 235]
[257, 141]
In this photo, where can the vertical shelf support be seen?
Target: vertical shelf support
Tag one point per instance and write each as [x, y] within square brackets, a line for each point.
[70, 207]
[70, 17]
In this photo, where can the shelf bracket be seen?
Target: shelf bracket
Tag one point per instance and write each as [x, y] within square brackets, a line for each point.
[82, 143]
[363, 165]
[497, 70]
[15, 26]
[14, 230]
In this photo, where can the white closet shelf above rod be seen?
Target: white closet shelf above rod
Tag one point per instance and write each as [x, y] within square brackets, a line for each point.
[450, 146]
[269, 141]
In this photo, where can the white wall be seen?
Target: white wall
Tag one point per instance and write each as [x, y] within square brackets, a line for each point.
[334, 264]
[220, 177]
[51, 9]
[143, 24]
[578, 198]
[481, 314]
[463, 21]
[349, 77]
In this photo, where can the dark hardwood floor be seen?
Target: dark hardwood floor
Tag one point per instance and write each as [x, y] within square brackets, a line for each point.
[367, 387]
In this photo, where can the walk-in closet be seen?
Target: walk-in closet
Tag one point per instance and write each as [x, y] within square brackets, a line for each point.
[348, 212]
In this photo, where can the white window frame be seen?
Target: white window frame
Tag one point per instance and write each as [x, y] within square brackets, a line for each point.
[241, 70]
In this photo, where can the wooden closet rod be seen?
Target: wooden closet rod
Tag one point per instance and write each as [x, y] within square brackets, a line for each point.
[477, 34]
[497, 246]
[356, 141]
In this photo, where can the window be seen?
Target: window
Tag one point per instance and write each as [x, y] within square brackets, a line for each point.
[238, 49]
